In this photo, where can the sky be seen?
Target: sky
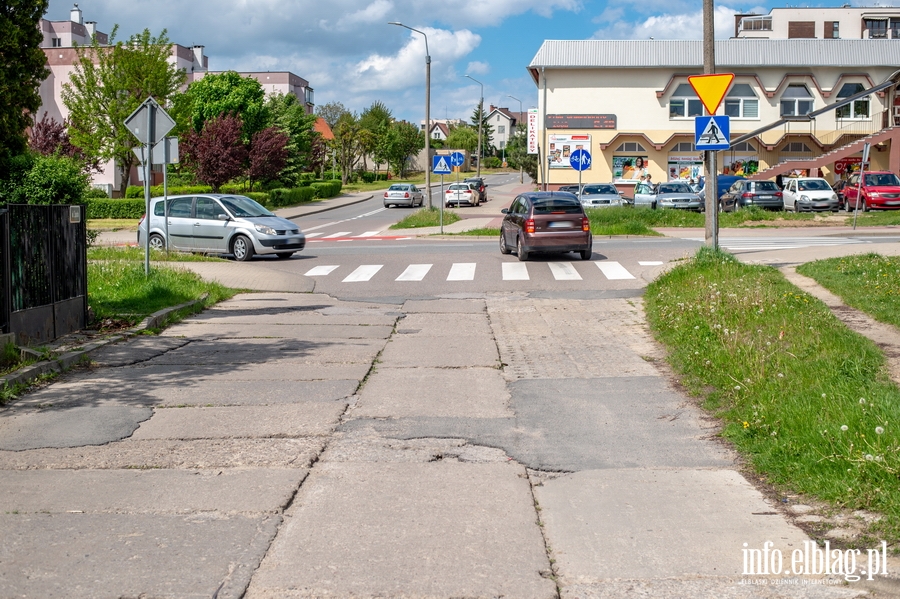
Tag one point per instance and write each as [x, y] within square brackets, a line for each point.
[350, 54]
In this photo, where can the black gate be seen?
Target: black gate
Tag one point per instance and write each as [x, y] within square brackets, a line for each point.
[46, 282]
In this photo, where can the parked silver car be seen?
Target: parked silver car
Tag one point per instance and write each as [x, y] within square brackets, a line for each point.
[600, 195]
[675, 194]
[403, 194]
[219, 224]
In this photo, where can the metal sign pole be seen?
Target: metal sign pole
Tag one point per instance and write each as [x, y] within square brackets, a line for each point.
[714, 215]
[862, 173]
[151, 113]
[165, 191]
[442, 204]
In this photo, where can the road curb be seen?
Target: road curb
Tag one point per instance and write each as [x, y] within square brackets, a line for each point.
[327, 208]
[71, 358]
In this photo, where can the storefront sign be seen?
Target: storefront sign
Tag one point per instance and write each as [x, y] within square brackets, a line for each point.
[562, 146]
[847, 166]
[532, 131]
[581, 121]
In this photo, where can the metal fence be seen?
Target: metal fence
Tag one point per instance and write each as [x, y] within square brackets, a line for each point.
[45, 279]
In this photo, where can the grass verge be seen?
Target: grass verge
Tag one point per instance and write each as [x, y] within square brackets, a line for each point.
[426, 218]
[873, 219]
[119, 290]
[868, 282]
[806, 401]
[483, 231]
[113, 224]
[136, 254]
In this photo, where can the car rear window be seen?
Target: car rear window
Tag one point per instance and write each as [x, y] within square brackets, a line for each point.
[813, 185]
[460, 187]
[398, 188]
[675, 188]
[765, 186]
[556, 204]
[882, 180]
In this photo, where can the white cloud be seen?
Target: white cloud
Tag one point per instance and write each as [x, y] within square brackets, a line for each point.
[478, 68]
[374, 13]
[682, 26]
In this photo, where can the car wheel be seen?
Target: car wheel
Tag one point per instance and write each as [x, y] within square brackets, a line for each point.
[520, 250]
[503, 247]
[242, 248]
[796, 206]
[586, 254]
[284, 255]
[157, 242]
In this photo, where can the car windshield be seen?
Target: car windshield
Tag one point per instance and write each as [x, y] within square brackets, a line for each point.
[675, 188]
[398, 188]
[765, 186]
[244, 207]
[556, 204]
[814, 185]
[882, 180]
[600, 189]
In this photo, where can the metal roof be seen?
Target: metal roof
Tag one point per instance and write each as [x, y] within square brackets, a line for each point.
[731, 53]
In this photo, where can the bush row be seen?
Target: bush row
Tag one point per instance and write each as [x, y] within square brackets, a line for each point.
[289, 197]
[322, 189]
[106, 208]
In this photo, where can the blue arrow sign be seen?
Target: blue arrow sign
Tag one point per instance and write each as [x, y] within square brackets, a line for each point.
[440, 165]
[712, 132]
[580, 160]
[457, 159]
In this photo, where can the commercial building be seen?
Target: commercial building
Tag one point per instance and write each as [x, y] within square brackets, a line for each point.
[630, 104]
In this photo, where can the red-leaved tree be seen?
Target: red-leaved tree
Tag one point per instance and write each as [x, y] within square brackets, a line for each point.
[217, 153]
[48, 137]
[268, 155]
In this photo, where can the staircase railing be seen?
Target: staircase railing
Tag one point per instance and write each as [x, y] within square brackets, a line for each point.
[854, 128]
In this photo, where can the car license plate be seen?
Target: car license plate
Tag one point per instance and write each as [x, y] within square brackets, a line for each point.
[765, 197]
[559, 225]
[892, 203]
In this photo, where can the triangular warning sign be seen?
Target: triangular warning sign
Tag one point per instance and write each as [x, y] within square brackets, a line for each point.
[712, 134]
[442, 165]
[711, 89]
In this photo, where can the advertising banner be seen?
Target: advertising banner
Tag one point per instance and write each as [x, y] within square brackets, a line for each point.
[560, 147]
[532, 131]
[629, 169]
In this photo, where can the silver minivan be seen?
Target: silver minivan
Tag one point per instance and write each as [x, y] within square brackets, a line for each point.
[219, 224]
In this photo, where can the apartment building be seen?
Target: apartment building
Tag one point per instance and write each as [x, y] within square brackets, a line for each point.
[504, 123]
[630, 104]
[843, 22]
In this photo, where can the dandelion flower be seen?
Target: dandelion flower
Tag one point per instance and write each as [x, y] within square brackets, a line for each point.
[862, 401]
[746, 424]
[879, 430]
[737, 387]
[845, 428]
[780, 375]
[869, 457]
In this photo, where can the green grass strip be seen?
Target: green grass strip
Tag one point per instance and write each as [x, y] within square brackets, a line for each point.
[426, 218]
[136, 254]
[805, 399]
[868, 282]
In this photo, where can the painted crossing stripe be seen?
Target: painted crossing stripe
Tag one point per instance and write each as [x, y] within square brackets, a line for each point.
[462, 271]
[321, 271]
[515, 271]
[414, 272]
[564, 271]
[341, 234]
[363, 273]
[311, 235]
[614, 271]
[369, 234]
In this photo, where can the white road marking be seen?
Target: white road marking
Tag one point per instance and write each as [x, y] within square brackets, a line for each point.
[311, 235]
[462, 271]
[339, 234]
[564, 271]
[369, 234]
[337, 222]
[414, 272]
[515, 271]
[614, 270]
[363, 273]
[650, 263]
[321, 271]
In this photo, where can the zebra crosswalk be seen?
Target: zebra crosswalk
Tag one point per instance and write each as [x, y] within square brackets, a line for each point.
[782, 243]
[467, 271]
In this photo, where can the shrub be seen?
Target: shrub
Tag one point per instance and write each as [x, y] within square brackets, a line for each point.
[45, 180]
[367, 177]
[106, 208]
[327, 189]
[156, 191]
[96, 192]
[291, 197]
[260, 196]
[492, 162]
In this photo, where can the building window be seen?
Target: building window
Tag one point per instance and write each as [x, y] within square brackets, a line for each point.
[877, 27]
[630, 146]
[796, 101]
[756, 23]
[796, 147]
[501, 128]
[685, 103]
[895, 28]
[57, 42]
[744, 146]
[683, 146]
[741, 102]
[857, 109]
[309, 95]
[833, 29]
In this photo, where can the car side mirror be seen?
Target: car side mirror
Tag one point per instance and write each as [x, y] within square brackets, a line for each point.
[224, 217]
[504, 211]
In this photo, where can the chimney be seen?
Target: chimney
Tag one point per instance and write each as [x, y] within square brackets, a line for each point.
[198, 58]
[91, 27]
[75, 15]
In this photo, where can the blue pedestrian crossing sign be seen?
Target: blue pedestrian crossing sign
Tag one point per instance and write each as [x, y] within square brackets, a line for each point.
[712, 132]
[580, 160]
[457, 159]
[440, 165]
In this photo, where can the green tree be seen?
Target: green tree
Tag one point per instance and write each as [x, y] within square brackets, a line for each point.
[225, 93]
[402, 140]
[108, 84]
[23, 66]
[38, 179]
[331, 112]
[373, 122]
[346, 144]
[462, 137]
[290, 117]
[487, 132]
[517, 153]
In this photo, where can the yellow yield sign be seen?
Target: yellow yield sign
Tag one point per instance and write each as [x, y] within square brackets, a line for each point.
[711, 89]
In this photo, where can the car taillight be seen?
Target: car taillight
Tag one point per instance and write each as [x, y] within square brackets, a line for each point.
[385, 194]
[746, 194]
[778, 194]
[406, 195]
[529, 225]
[449, 191]
[585, 224]
[143, 216]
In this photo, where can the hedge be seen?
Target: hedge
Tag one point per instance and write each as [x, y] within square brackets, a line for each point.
[327, 189]
[156, 191]
[290, 197]
[100, 208]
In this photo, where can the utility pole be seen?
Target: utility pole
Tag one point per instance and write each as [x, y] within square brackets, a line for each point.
[712, 184]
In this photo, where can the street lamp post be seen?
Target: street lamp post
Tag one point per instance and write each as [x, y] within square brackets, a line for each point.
[427, 112]
[480, 118]
[521, 170]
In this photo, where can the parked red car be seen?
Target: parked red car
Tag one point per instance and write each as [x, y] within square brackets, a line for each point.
[880, 190]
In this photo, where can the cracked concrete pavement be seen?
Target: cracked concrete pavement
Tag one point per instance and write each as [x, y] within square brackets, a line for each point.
[294, 445]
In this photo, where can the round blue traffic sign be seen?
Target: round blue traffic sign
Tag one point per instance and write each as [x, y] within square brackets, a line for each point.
[457, 159]
[580, 160]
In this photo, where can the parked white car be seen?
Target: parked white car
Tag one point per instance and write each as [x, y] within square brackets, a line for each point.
[807, 194]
